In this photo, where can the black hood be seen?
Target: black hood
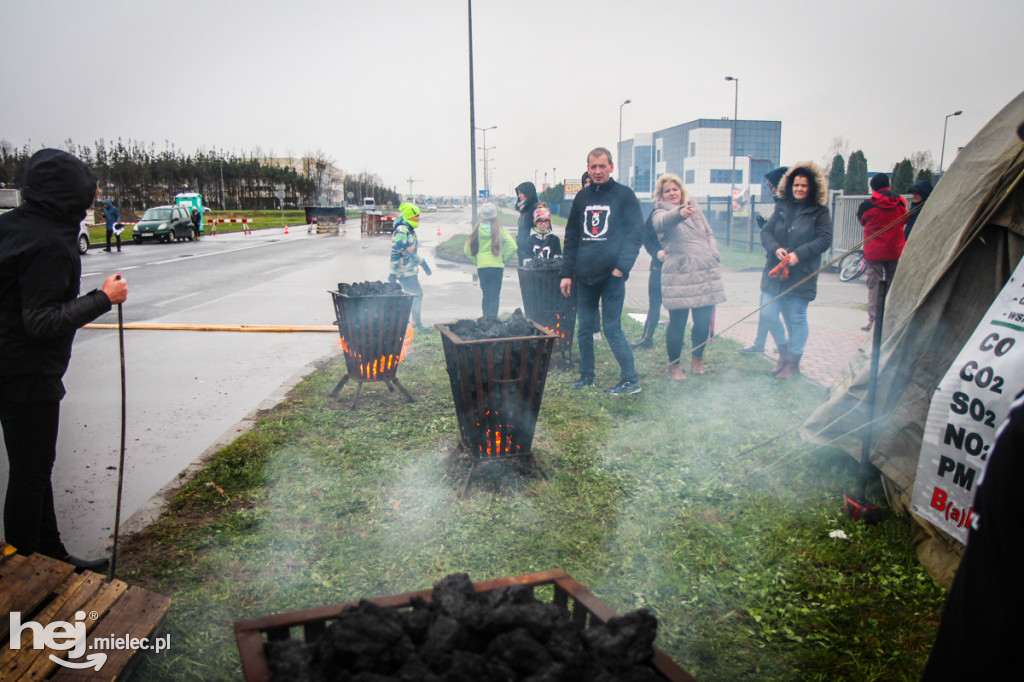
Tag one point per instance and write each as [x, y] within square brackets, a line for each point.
[922, 187]
[529, 190]
[60, 185]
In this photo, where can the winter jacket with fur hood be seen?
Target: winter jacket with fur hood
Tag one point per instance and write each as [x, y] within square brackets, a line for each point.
[602, 234]
[691, 275]
[883, 210]
[801, 227]
[40, 272]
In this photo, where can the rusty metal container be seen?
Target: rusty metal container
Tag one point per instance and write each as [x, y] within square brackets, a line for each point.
[544, 304]
[497, 385]
[373, 332]
[584, 607]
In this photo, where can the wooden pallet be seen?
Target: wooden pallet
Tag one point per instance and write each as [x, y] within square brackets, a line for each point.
[45, 590]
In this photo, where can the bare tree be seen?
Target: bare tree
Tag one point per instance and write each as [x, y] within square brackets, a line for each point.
[922, 160]
[840, 146]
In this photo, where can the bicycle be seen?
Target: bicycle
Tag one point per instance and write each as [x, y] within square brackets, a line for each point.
[852, 266]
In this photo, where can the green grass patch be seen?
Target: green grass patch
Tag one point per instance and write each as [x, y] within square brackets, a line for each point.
[658, 500]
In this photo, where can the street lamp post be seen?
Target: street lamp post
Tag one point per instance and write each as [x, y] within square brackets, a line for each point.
[487, 185]
[942, 156]
[618, 149]
[732, 189]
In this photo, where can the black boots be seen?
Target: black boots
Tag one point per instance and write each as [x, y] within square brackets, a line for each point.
[647, 340]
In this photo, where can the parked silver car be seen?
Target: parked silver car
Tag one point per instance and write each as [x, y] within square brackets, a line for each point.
[83, 238]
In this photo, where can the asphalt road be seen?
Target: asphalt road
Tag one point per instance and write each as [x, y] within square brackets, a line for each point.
[190, 392]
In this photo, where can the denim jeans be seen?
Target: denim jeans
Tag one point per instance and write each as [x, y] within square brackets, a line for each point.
[490, 284]
[611, 295]
[794, 313]
[411, 285]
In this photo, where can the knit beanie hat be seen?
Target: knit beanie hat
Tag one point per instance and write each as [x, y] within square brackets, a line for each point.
[488, 211]
[774, 176]
[410, 212]
[542, 213]
[879, 181]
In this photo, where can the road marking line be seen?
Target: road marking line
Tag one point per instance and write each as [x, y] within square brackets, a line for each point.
[92, 274]
[174, 300]
[204, 255]
[284, 267]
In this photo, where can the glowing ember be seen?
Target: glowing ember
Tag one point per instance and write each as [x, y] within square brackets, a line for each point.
[371, 369]
[497, 438]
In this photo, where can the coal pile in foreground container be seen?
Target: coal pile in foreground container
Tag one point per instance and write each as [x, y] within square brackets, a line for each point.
[501, 634]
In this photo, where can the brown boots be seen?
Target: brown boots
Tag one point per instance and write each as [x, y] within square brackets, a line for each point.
[791, 367]
[783, 354]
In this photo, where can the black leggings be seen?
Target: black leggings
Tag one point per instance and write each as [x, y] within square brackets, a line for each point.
[677, 330]
[30, 434]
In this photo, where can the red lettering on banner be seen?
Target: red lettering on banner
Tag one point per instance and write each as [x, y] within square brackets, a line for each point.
[961, 517]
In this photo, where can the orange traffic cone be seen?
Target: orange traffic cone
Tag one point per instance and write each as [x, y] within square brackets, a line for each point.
[286, 229]
[438, 231]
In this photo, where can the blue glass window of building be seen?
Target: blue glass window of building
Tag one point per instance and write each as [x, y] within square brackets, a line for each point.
[642, 170]
[689, 178]
[722, 176]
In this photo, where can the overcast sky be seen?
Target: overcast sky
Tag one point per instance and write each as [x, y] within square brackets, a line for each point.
[382, 85]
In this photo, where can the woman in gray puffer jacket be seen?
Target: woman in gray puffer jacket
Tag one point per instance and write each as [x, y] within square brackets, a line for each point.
[691, 272]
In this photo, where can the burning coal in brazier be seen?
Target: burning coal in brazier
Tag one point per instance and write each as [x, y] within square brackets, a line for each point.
[497, 371]
[540, 285]
[373, 323]
[491, 630]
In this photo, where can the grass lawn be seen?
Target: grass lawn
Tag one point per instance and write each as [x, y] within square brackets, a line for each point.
[659, 500]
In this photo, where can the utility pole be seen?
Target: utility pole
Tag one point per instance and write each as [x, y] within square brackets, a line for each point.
[472, 113]
[410, 180]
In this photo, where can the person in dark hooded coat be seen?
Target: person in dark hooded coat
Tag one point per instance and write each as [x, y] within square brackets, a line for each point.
[796, 235]
[196, 220]
[111, 216]
[40, 310]
[920, 191]
[526, 205]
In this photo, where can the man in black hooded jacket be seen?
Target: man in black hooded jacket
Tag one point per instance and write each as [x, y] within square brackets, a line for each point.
[40, 310]
[527, 194]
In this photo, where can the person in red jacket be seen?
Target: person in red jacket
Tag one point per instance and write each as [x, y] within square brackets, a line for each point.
[882, 252]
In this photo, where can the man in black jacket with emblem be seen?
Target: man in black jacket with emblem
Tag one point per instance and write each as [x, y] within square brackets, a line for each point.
[602, 240]
[40, 310]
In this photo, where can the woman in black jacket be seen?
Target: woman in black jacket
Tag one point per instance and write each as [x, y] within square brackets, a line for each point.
[526, 205]
[796, 235]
